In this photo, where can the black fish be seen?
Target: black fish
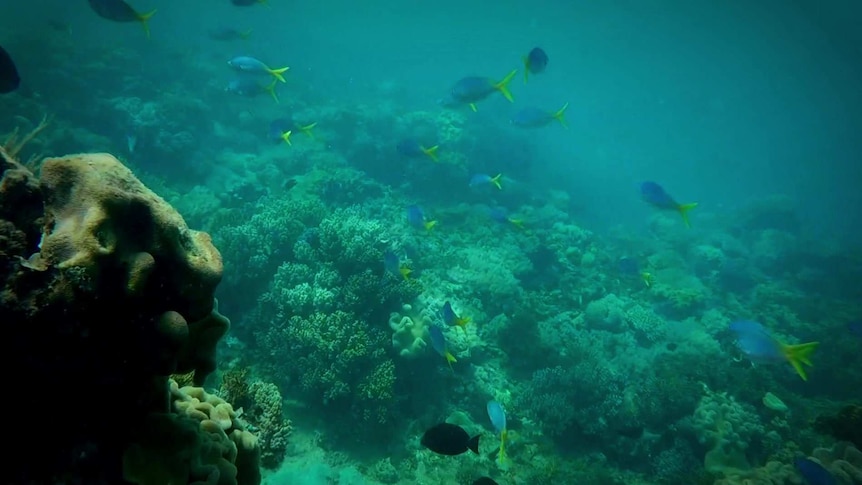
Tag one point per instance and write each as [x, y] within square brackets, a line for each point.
[536, 61]
[9, 79]
[484, 481]
[449, 439]
[289, 184]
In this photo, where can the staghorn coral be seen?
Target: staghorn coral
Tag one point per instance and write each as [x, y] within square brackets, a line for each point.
[273, 428]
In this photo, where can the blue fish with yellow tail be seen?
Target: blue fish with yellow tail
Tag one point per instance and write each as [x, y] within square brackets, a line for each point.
[392, 265]
[438, 343]
[498, 419]
[251, 65]
[120, 11]
[535, 62]
[538, 118]
[760, 347]
[470, 90]
[481, 179]
[416, 217]
[653, 194]
[500, 215]
[411, 147]
[452, 319]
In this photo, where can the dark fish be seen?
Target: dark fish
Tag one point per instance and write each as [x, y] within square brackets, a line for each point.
[655, 195]
[289, 184]
[9, 79]
[813, 472]
[449, 439]
[120, 11]
[536, 61]
[484, 481]
[855, 328]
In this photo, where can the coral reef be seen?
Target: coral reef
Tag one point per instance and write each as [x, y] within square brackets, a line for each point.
[273, 428]
[105, 292]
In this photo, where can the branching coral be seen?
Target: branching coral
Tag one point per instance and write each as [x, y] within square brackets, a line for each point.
[728, 429]
[273, 427]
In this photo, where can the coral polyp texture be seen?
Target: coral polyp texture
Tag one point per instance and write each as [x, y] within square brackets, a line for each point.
[105, 292]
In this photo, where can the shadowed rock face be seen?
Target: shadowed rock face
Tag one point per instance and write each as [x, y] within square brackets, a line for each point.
[104, 292]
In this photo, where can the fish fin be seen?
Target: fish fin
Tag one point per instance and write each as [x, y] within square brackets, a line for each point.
[144, 18]
[462, 322]
[270, 88]
[286, 137]
[307, 129]
[496, 181]
[278, 73]
[503, 86]
[405, 272]
[683, 210]
[798, 355]
[517, 223]
[526, 60]
[473, 107]
[501, 456]
[429, 225]
[431, 152]
[558, 115]
[473, 444]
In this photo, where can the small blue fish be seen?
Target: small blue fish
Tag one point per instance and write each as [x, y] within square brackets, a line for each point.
[630, 267]
[451, 318]
[281, 129]
[498, 419]
[413, 149]
[471, 90]
[252, 65]
[482, 179]
[855, 328]
[416, 218]
[228, 34]
[392, 265]
[535, 62]
[653, 194]
[250, 88]
[500, 215]
[438, 342]
[759, 346]
[813, 472]
[538, 118]
[120, 11]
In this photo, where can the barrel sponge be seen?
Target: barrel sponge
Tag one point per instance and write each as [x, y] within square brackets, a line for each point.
[100, 218]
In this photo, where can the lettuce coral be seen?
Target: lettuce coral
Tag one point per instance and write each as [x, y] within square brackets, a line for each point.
[727, 428]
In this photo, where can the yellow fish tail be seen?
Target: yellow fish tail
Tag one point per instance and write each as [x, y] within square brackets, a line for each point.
[798, 355]
[496, 181]
[286, 137]
[144, 18]
[503, 86]
[405, 272]
[270, 88]
[307, 129]
[683, 211]
[431, 152]
[429, 225]
[278, 73]
[558, 115]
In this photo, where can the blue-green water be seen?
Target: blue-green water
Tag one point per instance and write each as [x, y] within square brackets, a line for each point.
[599, 321]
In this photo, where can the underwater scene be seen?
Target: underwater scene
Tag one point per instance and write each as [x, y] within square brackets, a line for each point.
[250, 242]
